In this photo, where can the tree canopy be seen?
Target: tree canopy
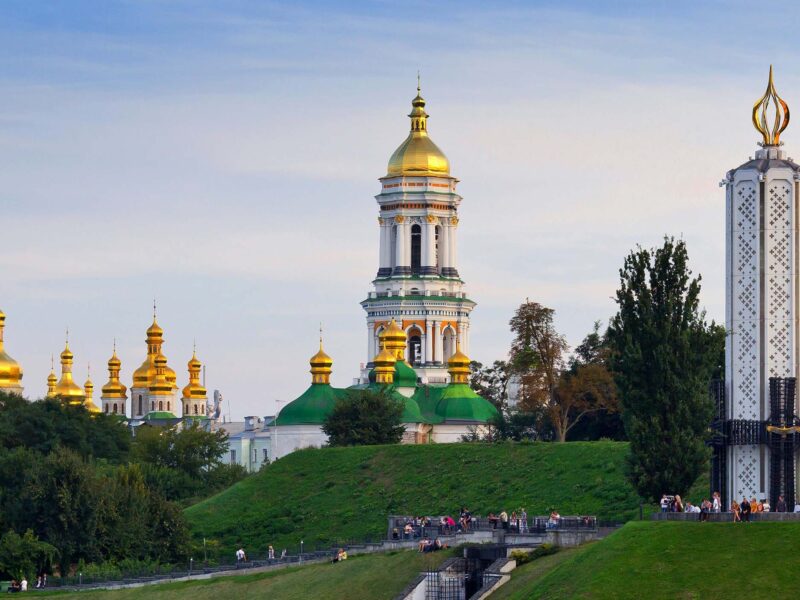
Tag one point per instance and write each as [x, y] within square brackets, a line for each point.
[365, 417]
[663, 356]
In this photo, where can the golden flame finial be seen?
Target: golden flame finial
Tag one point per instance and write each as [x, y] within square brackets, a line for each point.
[771, 134]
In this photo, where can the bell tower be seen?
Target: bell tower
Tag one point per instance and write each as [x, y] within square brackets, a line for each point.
[418, 283]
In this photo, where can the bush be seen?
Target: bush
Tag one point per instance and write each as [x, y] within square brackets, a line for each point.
[523, 557]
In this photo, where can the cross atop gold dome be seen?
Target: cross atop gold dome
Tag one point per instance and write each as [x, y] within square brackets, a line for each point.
[770, 128]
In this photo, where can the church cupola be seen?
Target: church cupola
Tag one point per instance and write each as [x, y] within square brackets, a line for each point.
[458, 366]
[10, 371]
[66, 388]
[384, 367]
[418, 155]
[114, 392]
[321, 366]
[194, 394]
[52, 380]
[88, 389]
[393, 338]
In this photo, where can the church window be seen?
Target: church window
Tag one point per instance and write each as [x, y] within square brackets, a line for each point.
[195, 409]
[169, 406]
[106, 407]
[152, 404]
[203, 409]
[416, 249]
[115, 408]
[233, 457]
[140, 404]
[160, 405]
[266, 457]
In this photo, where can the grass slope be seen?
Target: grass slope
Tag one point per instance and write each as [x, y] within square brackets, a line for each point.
[330, 494]
[363, 577]
[678, 560]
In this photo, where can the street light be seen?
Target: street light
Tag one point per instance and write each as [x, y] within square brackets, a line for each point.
[301, 550]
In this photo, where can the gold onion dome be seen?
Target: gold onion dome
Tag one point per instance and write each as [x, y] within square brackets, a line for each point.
[770, 101]
[393, 338]
[10, 371]
[384, 366]
[114, 388]
[160, 384]
[194, 389]
[321, 365]
[145, 375]
[66, 387]
[418, 155]
[52, 380]
[458, 366]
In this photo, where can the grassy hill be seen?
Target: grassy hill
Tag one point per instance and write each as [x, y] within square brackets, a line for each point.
[671, 560]
[364, 577]
[330, 494]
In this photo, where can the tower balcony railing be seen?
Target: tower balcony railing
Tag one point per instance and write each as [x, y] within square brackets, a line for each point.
[417, 293]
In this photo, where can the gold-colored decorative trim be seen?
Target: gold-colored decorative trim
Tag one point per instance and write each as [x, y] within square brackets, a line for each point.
[399, 219]
[432, 219]
[770, 135]
[454, 220]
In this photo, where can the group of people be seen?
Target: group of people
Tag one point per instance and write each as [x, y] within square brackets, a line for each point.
[741, 510]
[22, 584]
[429, 545]
[518, 521]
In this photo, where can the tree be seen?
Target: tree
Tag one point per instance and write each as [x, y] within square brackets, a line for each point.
[492, 382]
[365, 417]
[663, 356]
[24, 555]
[587, 389]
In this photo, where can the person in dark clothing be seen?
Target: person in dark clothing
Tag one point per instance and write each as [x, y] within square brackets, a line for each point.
[780, 506]
[746, 510]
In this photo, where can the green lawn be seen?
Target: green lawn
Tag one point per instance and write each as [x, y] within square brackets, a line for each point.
[331, 494]
[363, 577]
[676, 560]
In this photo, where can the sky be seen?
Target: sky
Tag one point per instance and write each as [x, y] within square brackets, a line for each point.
[223, 158]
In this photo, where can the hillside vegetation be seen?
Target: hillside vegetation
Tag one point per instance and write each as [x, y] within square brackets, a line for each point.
[331, 494]
[672, 560]
[363, 577]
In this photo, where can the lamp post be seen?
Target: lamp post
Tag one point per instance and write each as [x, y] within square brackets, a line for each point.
[191, 561]
[301, 550]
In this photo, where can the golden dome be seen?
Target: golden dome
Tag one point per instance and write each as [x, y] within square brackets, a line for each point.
[145, 375]
[321, 365]
[384, 366]
[160, 385]
[393, 338]
[418, 155]
[458, 366]
[114, 387]
[66, 388]
[51, 380]
[194, 389]
[10, 371]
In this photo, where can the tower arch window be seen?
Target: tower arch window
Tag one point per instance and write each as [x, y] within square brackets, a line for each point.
[160, 405]
[414, 349]
[416, 249]
[448, 343]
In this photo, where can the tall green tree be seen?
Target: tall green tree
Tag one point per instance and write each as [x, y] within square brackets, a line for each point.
[663, 356]
[364, 417]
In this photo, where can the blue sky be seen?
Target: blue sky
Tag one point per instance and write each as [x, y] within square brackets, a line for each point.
[223, 158]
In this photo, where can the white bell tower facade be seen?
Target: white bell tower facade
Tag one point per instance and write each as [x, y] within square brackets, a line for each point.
[418, 283]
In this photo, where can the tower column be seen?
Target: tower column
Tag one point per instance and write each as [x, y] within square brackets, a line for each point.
[371, 350]
[444, 249]
[438, 350]
[385, 264]
[428, 357]
[453, 247]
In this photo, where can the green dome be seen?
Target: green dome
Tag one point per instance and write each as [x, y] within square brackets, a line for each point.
[404, 375]
[159, 414]
[311, 408]
[459, 402]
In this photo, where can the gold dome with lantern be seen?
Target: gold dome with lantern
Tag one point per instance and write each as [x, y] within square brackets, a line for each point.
[66, 388]
[418, 155]
[10, 371]
[145, 375]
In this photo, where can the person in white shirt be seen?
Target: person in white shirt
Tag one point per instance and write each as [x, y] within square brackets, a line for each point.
[23, 586]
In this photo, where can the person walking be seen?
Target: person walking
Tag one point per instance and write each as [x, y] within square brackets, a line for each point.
[271, 553]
